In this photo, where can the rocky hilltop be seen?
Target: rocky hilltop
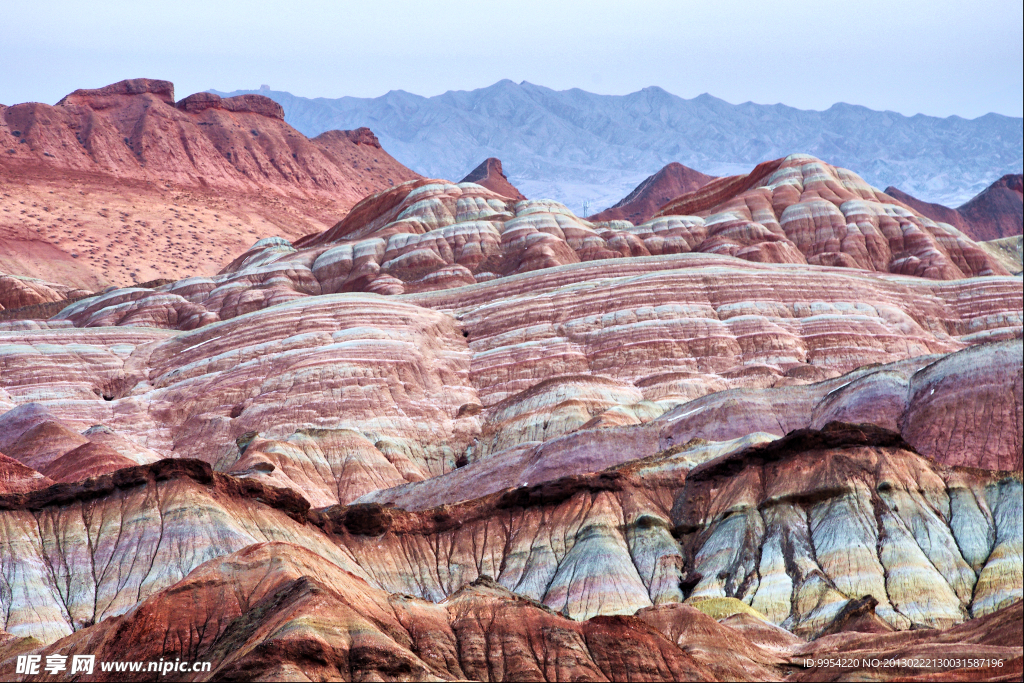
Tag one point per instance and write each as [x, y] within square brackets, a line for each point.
[123, 184]
[653, 193]
[489, 174]
[461, 436]
[995, 213]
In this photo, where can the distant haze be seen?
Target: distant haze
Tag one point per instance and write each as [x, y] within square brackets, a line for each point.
[936, 57]
[576, 147]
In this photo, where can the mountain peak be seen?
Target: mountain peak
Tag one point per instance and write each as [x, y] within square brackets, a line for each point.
[489, 174]
[655, 191]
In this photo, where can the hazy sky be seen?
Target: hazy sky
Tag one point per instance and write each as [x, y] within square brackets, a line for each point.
[936, 57]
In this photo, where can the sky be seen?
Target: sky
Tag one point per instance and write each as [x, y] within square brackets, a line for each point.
[936, 57]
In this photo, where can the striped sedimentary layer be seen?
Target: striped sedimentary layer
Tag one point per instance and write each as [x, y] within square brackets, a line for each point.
[420, 384]
[589, 439]
[796, 529]
[426, 235]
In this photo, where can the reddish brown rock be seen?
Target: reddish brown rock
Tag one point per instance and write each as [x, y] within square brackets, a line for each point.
[20, 292]
[937, 212]
[121, 185]
[871, 509]
[961, 409]
[16, 478]
[290, 612]
[717, 191]
[799, 209]
[997, 212]
[427, 235]
[598, 538]
[45, 443]
[85, 461]
[459, 436]
[657, 190]
[985, 649]
[489, 174]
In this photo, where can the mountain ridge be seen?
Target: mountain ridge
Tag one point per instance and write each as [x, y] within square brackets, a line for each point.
[122, 184]
[576, 146]
[994, 213]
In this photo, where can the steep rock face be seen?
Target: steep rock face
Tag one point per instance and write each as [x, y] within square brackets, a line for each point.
[793, 498]
[296, 616]
[654, 192]
[598, 544]
[489, 174]
[116, 176]
[75, 554]
[301, 614]
[134, 129]
[799, 526]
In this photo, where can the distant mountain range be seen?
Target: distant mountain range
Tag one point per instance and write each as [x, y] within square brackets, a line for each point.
[576, 146]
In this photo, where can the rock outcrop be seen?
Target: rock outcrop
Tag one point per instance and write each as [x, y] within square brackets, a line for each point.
[654, 192]
[768, 525]
[799, 526]
[121, 184]
[937, 212]
[489, 174]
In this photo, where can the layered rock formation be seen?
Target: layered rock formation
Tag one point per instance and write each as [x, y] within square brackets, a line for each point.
[122, 184]
[937, 212]
[995, 213]
[21, 292]
[367, 569]
[489, 174]
[654, 192]
[459, 436]
[428, 235]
